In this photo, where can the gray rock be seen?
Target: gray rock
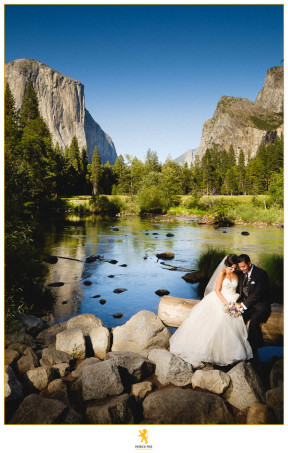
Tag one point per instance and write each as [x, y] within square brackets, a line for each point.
[72, 418]
[165, 255]
[141, 332]
[55, 385]
[141, 390]
[214, 381]
[87, 362]
[35, 409]
[11, 356]
[51, 356]
[118, 410]
[245, 388]
[137, 365]
[101, 380]
[184, 406]
[26, 363]
[29, 352]
[32, 324]
[274, 400]
[276, 374]
[171, 369]
[48, 337]
[100, 339]
[62, 369]
[72, 342]
[60, 395]
[260, 414]
[39, 377]
[84, 322]
[13, 389]
[17, 347]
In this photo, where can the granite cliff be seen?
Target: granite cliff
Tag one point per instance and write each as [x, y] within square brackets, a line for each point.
[61, 104]
[246, 124]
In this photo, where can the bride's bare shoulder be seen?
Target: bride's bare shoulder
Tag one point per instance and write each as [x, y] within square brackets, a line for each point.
[222, 273]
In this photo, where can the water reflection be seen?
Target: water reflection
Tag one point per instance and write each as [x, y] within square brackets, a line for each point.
[135, 245]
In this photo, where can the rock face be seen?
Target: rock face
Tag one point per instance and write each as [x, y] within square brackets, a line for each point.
[243, 123]
[271, 96]
[61, 104]
[171, 369]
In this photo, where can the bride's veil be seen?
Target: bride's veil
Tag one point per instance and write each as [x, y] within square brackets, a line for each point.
[212, 282]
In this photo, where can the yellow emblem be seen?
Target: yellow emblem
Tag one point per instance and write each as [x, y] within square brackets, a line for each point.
[144, 435]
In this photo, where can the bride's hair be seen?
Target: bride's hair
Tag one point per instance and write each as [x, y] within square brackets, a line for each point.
[231, 259]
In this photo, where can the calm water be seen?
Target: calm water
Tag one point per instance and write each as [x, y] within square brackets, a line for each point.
[136, 246]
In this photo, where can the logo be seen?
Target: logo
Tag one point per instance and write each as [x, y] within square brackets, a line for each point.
[144, 439]
[144, 435]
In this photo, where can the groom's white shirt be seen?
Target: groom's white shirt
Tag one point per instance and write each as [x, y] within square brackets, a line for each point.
[249, 276]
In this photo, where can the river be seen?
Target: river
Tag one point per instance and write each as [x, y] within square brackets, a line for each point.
[133, 241]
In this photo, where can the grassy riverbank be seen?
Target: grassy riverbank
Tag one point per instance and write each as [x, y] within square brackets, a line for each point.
[237, 208]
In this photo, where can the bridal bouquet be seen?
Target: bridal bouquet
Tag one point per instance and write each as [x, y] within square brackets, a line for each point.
[233, 309]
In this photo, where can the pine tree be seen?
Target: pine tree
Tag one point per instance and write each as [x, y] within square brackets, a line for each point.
[74, 154]
[241, 171]
[30, 107]
[96, 171]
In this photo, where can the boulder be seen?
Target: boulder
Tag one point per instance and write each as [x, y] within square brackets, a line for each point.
[245, 387]
[35, 409]
[51, 356]
[39, 377]
[72, 418]
[59, 395]
[119, 290]
[141, 332]
[11, 356]
[61, 369]
[26, 363]
[85, 322]
[32, 324]
[184, 406]
[171, 369]
[80, 367]
[29, 352]
[101, 380]
[137, 366]
[55, 385]
[72, 342]
[260, 414]
[274, 400]
[214, 381]
[118, 410]
[141, 390]
[162, 292]
[48, 336]
[100, 339]
[17, 347]
[192, 277]
[13, 388]
[20, 338]
[165, 255]
[276, 374]
[174, 310]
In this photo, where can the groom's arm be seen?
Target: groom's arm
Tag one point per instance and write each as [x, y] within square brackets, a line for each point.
[260, 292]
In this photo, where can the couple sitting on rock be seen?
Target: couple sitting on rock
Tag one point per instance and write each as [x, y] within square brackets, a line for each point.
[215, 330]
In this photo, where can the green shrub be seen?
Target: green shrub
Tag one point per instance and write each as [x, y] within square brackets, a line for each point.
[274, 266]
[152, 200]
[207, 262]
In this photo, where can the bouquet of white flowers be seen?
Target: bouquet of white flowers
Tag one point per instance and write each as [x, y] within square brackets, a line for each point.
[233, 309]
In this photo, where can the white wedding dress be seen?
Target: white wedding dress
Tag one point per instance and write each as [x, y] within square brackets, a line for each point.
[211, 335]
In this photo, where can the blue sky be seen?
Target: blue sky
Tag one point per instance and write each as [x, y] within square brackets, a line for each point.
[152, 74]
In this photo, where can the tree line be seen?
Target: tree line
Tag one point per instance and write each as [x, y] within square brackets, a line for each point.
[35, 168]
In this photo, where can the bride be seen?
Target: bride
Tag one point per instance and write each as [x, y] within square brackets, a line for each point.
[209, 334]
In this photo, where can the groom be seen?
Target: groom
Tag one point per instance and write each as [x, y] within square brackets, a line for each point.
[253, 289]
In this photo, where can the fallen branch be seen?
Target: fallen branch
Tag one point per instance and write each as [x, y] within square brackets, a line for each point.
[178, 267]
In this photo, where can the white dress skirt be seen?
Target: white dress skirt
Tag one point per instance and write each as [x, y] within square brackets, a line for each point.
[211, 335]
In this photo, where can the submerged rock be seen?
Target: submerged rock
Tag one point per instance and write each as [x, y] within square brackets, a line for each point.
[166, 255]
[162, 292]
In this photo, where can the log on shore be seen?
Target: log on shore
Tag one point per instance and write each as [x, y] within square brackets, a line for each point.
[174, 310]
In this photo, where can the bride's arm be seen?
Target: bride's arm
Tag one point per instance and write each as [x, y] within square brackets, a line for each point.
[218, 288]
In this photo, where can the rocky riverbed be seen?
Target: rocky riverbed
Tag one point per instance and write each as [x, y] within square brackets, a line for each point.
[80, 372]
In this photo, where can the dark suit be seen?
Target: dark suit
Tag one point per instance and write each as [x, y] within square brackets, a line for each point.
[255, 296]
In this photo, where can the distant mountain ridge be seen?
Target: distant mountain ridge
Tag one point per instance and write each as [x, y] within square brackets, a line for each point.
[61, 104]
[187, 157]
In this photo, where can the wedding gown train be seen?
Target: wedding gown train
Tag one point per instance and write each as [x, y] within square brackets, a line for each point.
[211, 335]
